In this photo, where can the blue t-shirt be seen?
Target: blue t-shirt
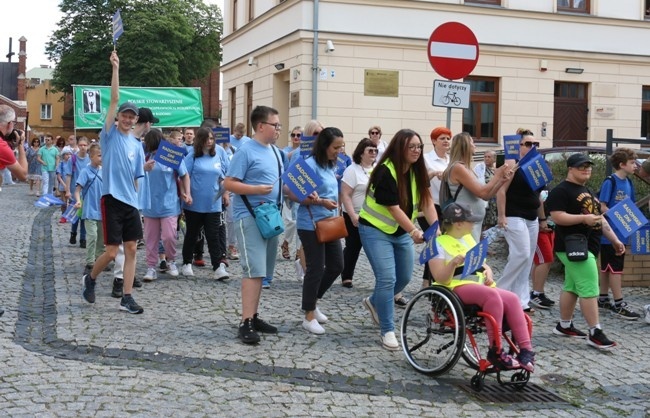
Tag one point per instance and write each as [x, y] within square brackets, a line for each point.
[238, 142]
[161, 191]
[613, 192]
[122, 163]
[327, 189]
[63, 170]
[90, 180]
[75, 165]
[206, 173]
[255, 164]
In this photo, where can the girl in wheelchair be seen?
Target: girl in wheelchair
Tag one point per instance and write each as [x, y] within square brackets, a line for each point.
[480, 289]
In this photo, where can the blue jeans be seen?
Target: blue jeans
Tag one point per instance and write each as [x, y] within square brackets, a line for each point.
[391, 259]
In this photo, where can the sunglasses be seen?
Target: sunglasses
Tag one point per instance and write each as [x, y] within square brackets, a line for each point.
[295, 135]
[529, 144]
[375, 132]
[372, 150]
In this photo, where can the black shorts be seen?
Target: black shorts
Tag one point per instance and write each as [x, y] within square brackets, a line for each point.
[609, 261]
[121, 222]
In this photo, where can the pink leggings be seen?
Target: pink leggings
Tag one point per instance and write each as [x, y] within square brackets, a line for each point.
[156, 229]
[498, 303]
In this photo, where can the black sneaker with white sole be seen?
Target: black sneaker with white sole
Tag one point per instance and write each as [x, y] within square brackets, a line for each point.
[600, 340]
[128, 304]
[622, 311]
[540, 301]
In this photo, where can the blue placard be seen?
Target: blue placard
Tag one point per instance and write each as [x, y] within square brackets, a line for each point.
[48, 200]
[625, 218]
[70, 213]
[221, 135]
[431, 231]
[511, 146]
[640, 241]
[535, 170]
[475, 258]
[306, 145]
[169, 155]
[430, 249]
[301, 179]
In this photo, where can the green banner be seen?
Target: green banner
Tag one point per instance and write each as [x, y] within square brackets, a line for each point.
[174, 106]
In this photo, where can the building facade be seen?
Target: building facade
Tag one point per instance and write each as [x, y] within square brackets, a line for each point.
[566, 69]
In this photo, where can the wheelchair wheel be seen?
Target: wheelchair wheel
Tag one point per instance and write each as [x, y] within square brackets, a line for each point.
[433, 330]
[475, 325]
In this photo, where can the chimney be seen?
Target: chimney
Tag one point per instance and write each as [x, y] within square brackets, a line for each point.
[22, 69]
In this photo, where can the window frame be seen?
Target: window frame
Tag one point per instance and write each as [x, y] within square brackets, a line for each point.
[484, 97]
[46, 108]
[490, 2]
[645, 107]
[570, 9]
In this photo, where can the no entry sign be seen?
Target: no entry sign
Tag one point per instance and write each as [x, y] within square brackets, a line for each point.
[453, 50]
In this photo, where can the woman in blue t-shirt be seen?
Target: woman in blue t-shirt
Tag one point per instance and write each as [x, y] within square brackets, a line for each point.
[322, 203]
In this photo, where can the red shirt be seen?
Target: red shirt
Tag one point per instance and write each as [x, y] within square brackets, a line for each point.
[7, 156]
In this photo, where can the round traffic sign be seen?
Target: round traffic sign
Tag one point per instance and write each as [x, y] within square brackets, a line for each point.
[453, 50]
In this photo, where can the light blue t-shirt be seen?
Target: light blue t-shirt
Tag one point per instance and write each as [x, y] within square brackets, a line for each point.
[63, 171]
[327, 189]
[161, 191]
[255, 164]
[238, 142]
[206, 173]
[76, 164]
[90, 180]
[122, 163]
[612, 192]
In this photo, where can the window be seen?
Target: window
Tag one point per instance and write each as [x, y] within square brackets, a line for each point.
[495, 2]
[481, 119]
[233, 107]
[251, 10]
[46, 111]
[579, 6]
[249, 106]
[647, 9]
[234, 16]
[645, 112]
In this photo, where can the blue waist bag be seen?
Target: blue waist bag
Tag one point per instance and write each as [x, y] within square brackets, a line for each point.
[268, 219]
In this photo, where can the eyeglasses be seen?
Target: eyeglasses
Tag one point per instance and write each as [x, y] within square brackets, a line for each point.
[416, 147]
[374, 132]
[529, 144]
[372, 150]
[295, 135]
[277, 126]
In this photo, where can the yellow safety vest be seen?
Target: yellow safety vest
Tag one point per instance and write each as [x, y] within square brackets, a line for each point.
[454, 247]
[378, 215]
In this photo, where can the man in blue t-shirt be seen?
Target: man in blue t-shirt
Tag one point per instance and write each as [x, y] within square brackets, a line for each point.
[238, 137]
[253, 173]
[122, 165]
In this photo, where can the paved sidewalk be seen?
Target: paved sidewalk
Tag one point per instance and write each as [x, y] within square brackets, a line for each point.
[64, 357]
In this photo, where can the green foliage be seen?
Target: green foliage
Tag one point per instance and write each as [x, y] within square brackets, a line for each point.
[166, 43]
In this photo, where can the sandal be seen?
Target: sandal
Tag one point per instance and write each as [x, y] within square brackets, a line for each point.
[347, 283]
[285, 250]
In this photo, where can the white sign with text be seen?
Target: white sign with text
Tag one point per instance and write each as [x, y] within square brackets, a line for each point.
[451, 94]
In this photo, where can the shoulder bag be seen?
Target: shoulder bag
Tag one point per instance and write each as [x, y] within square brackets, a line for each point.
[329, 229]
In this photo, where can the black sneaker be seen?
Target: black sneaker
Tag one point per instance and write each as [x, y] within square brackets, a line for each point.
[263, 326]
[572, 331]
[247, 332]
[540, 301]
[82, 243]
[600, 340]
[73, 238]
[622, 311]
[118, 286]
[129, 305]
[88, 288]
[137, 282]
[163, 266]
[606, 304]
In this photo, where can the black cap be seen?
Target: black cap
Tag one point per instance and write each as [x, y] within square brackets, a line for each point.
[576, 160]
[147, 116]
[128, 106]
[455, 212]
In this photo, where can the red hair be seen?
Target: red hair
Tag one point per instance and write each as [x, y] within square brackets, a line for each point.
[440, 130]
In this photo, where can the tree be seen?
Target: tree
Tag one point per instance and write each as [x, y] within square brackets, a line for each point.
[166, 43]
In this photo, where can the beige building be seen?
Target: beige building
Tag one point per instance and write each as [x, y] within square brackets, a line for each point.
[44, 108]
[566, 69]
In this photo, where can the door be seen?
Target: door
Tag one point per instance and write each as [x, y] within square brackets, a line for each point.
[570, 114]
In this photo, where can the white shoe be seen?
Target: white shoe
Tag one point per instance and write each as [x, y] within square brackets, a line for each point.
[300, 273]
[151, 275]
[186, 270]
[389, 342]
[319, 316]
[313, 326]
[221, 273]
[172, 270]
[646, 309]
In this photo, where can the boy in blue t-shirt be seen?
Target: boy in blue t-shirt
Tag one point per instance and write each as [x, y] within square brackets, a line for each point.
[615, 188]
[61, 174]
[123, 165]
[88, 194]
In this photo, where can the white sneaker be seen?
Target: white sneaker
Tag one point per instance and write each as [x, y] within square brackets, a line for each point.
[389, 342]
[172, 269]
[646, 309]
[319, 316]
[151, 275]
[300, 273]
[186, 270]
[313, 326]
[221, 273]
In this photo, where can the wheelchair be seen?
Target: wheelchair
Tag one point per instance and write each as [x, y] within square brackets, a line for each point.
[437, 329]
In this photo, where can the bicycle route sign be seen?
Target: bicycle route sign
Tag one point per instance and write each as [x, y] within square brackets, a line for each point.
[453, 50]
[451, 94]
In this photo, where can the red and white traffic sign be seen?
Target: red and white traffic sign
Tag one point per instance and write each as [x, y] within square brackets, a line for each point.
[453, 50]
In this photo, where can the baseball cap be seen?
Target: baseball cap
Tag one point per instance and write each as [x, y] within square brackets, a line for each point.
[455, 212]
[128, 106]
[146, 115]
[576, 160]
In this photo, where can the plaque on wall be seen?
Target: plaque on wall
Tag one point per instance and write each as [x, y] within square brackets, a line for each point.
[384, 83]
[295, 99]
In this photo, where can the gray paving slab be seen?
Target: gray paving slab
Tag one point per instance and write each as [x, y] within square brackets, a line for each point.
[64, 357]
